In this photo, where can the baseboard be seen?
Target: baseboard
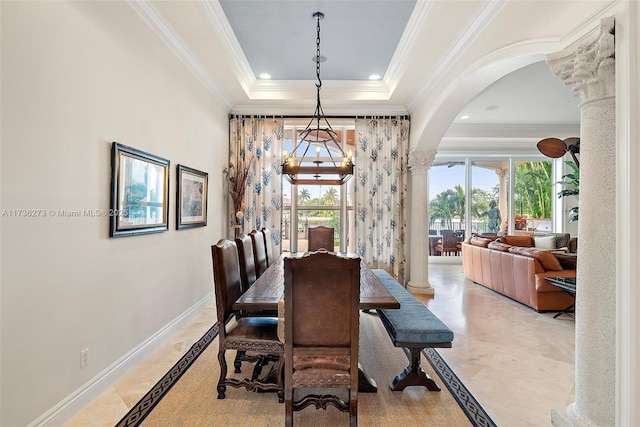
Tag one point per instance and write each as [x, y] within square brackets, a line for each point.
[77, 400]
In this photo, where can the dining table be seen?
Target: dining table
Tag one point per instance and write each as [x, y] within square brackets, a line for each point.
[268, 289]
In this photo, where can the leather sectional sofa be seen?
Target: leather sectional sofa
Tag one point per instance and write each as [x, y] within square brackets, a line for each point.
[514, 267]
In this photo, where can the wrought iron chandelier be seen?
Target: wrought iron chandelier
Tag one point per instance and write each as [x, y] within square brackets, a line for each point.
[300, 167]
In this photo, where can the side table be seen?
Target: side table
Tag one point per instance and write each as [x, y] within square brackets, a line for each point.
[567, 284]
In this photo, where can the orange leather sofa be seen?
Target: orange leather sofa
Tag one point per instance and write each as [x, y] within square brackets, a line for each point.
[517, 272]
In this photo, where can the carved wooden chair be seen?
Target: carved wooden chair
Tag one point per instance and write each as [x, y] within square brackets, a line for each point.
[448, 244]
[321, 322]
[246, 334]
[259, 251]
[268, 243]
[247, 261]
[320, 237]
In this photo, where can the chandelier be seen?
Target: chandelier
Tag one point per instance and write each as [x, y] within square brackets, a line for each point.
[300, 167]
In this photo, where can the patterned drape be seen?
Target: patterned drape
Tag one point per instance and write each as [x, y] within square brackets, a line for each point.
[256, 143]
[381, 158]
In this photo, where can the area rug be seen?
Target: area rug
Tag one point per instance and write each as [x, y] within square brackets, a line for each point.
[186, 395]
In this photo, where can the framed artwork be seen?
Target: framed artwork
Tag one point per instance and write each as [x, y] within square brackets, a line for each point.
[139, 192]
[191, 201]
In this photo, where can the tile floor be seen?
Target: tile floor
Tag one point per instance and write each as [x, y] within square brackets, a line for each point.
[519, 364]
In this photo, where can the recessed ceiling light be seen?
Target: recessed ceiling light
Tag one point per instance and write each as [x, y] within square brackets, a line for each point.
[465, 117]
[265, 76]
[492, 107]
[374, 77]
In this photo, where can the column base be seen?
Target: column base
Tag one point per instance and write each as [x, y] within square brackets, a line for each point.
[423, 288]
[568, 417]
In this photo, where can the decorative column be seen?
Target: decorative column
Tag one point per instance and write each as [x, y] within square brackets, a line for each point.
[419, 163]
[590, 69]
[503, 187]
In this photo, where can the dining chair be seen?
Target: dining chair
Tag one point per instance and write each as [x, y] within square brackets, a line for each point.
[320, 237]
[448, 243]
[321, 323]
[268, 243]
[248, 277]
[259, 251]
[247, 261]
[258, 335]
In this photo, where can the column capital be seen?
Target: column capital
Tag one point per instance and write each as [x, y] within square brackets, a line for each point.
[502, 173]
[420, 161]
[589, 67]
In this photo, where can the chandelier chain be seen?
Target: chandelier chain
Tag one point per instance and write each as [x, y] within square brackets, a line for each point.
[319, 84]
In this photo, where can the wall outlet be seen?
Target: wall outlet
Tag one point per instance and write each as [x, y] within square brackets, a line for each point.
[84, 358]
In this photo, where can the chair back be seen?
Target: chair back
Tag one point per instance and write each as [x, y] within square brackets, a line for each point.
[259, 251]
[320, 237]
[247, 261]
[449, 240]
[227, 281]
[322, 328]
[268, 243]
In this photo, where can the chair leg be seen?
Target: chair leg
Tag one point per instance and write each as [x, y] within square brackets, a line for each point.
[223, 374]
[288, 415]
[280, 379]
[237, 363]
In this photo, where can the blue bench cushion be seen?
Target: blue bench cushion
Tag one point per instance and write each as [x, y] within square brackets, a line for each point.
[413, 323]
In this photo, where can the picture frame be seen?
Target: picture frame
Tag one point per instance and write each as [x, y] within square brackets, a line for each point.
[139, 192]
[191, 197]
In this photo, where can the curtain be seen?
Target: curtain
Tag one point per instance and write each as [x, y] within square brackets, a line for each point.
[381, 159]
[255, 148]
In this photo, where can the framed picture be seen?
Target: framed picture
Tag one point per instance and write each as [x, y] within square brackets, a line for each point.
[191, 201]
[139, 192]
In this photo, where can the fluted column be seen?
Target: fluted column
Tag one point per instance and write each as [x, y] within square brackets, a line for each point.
[590, 69]
[419, 163]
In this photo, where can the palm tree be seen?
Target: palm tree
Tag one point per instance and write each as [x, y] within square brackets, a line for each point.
[304, 196]
[330, 197]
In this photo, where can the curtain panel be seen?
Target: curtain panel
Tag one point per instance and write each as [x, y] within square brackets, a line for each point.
[255, 147]
[381, 159]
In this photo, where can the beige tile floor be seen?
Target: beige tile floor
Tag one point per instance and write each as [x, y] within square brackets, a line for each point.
[519, 364]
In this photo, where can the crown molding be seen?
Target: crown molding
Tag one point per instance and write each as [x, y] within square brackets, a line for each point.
[359, 109]
[498, 130]
[243, 71]
[489, 10]
[168, 35]
[399, 60]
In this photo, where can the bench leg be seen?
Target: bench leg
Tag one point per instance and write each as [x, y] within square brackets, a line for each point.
[413, 375]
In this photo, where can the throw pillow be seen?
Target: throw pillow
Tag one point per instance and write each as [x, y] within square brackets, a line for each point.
[545, 242]
[480, 241]
[502, 247]
[522, 241]
[547, 260]
[562, 240]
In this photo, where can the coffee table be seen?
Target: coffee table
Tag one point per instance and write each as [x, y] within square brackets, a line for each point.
[567, 284]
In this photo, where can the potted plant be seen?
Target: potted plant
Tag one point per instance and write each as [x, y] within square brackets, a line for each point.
[571, 183]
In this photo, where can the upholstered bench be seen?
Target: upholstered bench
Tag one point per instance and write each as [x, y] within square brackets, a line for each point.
[413, 327]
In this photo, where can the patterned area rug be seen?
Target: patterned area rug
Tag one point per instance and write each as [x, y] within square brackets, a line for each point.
[141, 410]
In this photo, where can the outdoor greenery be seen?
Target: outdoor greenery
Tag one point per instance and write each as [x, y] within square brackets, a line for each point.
[329, 198]
[571, 183]
[533, 189]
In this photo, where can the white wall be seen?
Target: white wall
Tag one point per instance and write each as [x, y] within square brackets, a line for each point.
[76, 77]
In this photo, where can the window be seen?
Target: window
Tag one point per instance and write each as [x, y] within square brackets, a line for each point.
[306, 206]
[495, 200]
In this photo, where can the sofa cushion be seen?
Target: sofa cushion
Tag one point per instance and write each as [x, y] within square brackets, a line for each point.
[480, 241]
[547, 260]
[545, 242]
[498, 246]
[522, 241]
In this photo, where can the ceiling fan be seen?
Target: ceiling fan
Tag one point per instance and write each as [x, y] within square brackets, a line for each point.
[555, 148]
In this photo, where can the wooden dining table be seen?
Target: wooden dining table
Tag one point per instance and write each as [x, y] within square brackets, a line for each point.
[268, 289]
[265, 293]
